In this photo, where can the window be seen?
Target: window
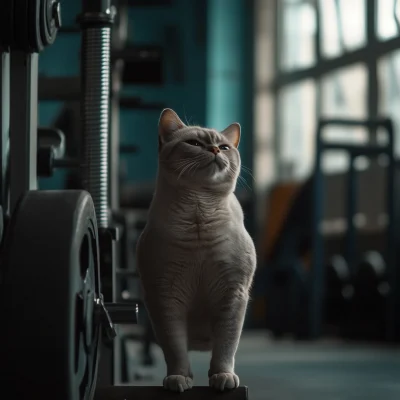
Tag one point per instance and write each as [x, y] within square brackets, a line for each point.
[337, 59]
[297, 122]
[344, 94]
[342, 26]
[297, 34]
[388, 19]
[389, 76]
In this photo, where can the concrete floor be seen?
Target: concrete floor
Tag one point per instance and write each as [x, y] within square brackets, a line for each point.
[288, 370]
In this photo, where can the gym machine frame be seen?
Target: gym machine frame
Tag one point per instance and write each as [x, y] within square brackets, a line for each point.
[56, 311]
[317, 282]
[22, 37]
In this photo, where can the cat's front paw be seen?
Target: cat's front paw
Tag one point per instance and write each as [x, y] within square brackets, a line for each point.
[178, 383]
[224, 380]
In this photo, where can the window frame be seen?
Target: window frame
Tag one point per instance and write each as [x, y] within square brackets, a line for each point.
[369, 55]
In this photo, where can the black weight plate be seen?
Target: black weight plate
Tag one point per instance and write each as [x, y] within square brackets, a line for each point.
[6, 23]
[21, 20]
[34, 39]
[48, 30]
[49, 343]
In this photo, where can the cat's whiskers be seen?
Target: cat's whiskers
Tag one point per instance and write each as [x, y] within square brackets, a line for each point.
[240, 180]
[195, 165]
[186, 167]
[248, 171]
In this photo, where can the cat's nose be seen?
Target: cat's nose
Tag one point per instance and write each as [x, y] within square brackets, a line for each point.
[214, 149]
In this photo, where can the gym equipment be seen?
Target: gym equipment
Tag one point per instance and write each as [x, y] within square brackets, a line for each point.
[315, 311]
[50, 281]
[286, 273]
[370, 304]
[157, 393]
[301, 278]
[63, 333]
[57, 261]
[50, 152]
[372, 271]
[339, 291]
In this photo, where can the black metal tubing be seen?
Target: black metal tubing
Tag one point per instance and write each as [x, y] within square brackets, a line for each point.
[350, 239]
[96, 20]
[114, 139]
[325, 66]
[158, 392]
[123, 313]
[5, 129]
[318, 271]
[23, 124]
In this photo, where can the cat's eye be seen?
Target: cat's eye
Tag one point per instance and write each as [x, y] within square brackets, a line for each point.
[224, 147]
[193, 142]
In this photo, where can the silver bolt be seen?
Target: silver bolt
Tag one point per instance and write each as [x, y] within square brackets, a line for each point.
[56, 14]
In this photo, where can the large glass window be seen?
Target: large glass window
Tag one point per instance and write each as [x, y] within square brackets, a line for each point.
[297, 124]
[297, 34]
[389, 95]
[335, 61]
[342, 26]
[388, 19]
[344, 95]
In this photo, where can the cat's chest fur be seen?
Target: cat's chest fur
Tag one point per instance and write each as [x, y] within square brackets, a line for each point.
[197, 243]
[196, 225]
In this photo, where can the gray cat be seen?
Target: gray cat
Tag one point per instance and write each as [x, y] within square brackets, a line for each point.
[195, 258]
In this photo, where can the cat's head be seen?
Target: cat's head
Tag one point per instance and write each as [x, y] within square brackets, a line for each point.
[198, 157]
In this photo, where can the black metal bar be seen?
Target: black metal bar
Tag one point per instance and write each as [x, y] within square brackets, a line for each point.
[393, 305]
[351, 210]
[23, 124]
[317, 270]
[372, 66]
[375, 123]
[5, 129]
[116, 76]
[318, 36]
[158, 392]
[123, 313]
[356, 150]
[376, 50]
[96, 20]
[277, 126]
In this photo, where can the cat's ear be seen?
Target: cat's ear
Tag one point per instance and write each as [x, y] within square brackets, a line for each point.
[232, 133]
[169, 123]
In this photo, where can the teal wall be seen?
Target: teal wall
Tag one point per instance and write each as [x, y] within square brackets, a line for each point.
[187, 98]
[60, 59]
[230, 69]
[215, 45]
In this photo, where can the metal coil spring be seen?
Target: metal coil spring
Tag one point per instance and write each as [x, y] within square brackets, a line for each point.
[95, 117]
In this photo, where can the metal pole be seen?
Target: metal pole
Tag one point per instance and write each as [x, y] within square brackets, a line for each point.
[5, 129]
[23, 124]
[96, 21]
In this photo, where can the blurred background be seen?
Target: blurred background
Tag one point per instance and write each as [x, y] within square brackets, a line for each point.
[315, 85]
